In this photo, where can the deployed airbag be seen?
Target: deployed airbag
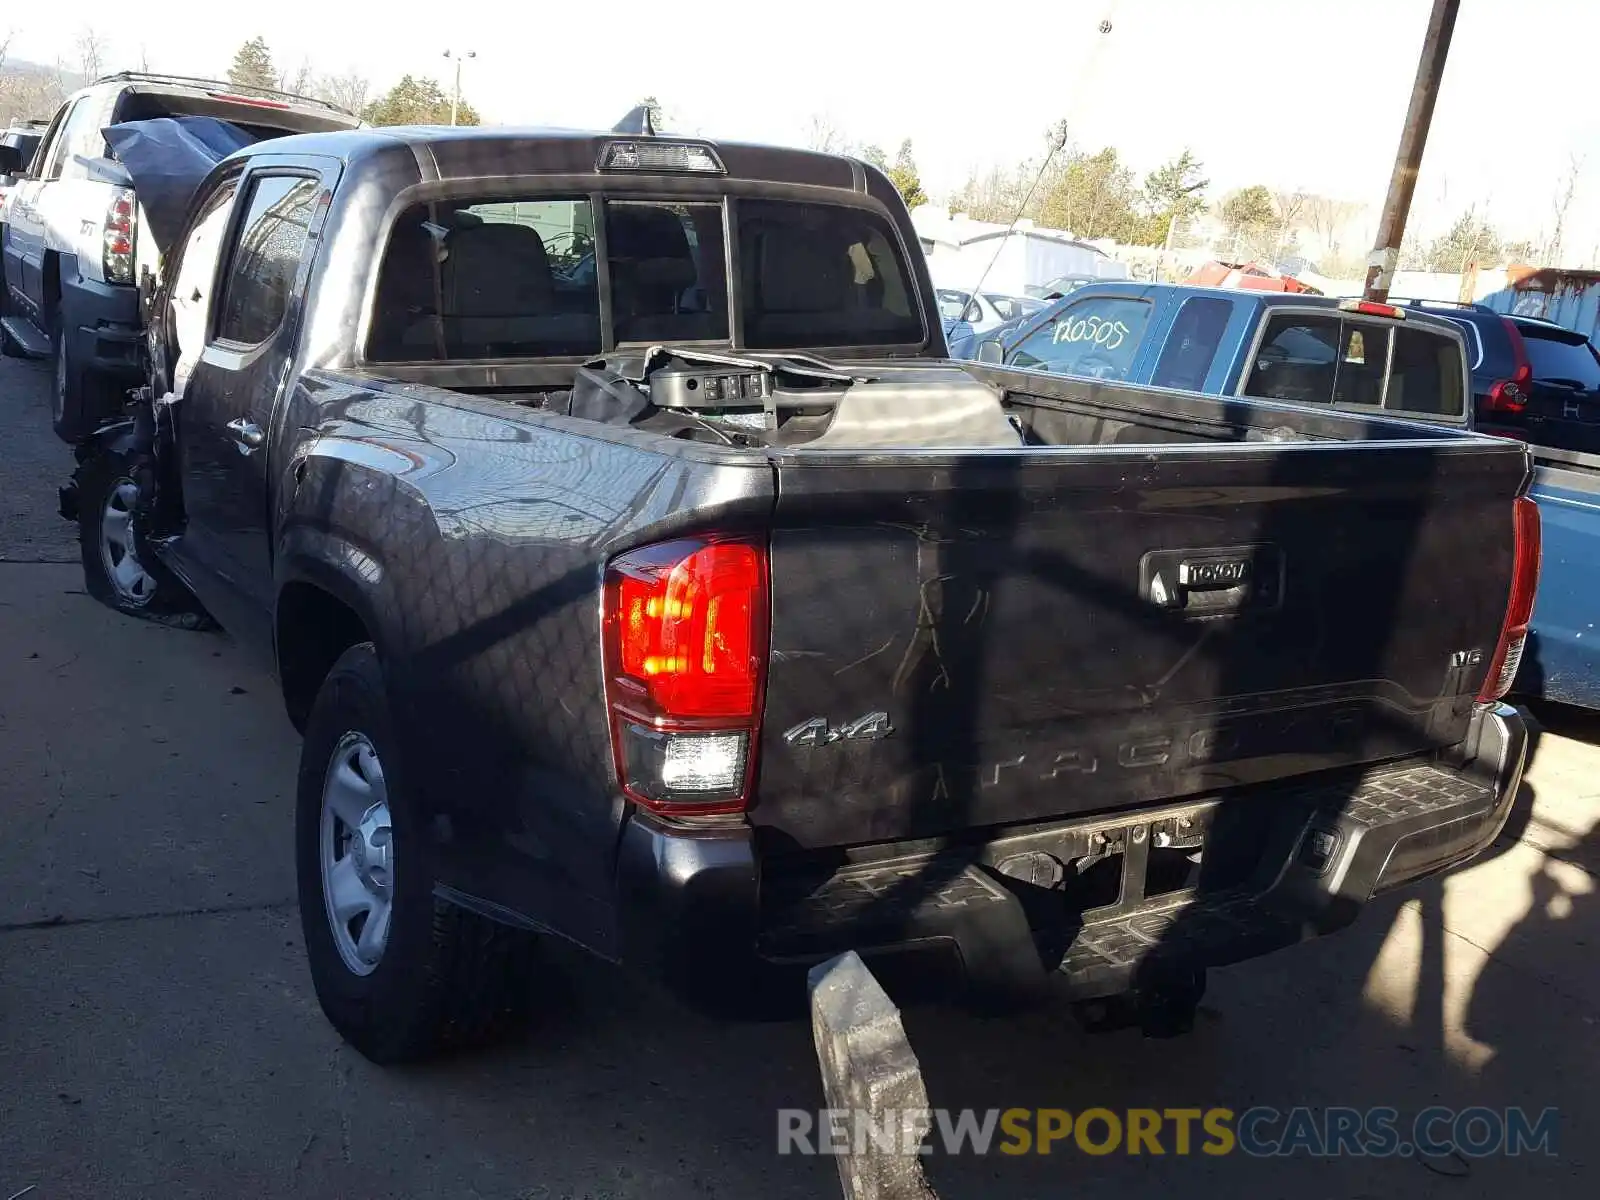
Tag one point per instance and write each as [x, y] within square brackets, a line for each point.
[168, 158]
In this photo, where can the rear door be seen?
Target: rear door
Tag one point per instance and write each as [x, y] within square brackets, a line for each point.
[231, 393]
[1563, 409]
[1196, 352]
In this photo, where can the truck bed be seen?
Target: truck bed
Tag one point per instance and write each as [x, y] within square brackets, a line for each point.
[1347, 579]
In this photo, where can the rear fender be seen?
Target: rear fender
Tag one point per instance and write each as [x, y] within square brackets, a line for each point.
[326, 560]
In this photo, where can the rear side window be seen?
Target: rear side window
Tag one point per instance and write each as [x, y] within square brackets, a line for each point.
[1196, 334]
[814, 275]
[195, 272]
[497, 279]
[1095, 338]
[1425, 376]
[266, 257]
[1561, 357]
[82, 136]
[56, 146]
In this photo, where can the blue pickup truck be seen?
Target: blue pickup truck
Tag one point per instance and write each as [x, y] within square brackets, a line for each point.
[1302, 349]
[1561, 658]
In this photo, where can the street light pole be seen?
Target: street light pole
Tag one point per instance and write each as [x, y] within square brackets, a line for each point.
[1385, 254]
[455, 95]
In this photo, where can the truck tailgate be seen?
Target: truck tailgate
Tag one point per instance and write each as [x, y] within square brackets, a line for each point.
[1056, 632]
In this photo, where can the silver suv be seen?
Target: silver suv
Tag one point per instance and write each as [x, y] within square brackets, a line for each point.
[72, 232]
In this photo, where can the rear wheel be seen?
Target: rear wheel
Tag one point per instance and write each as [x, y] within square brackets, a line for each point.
[119, 569]
[399, 973]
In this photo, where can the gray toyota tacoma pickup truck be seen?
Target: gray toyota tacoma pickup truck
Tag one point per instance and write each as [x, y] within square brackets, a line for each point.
[641, 573]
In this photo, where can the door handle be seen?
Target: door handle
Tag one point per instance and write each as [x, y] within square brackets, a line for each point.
[247, 435]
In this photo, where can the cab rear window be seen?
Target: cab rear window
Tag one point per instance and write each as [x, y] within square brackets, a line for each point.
[508, 278]
[1325, 358]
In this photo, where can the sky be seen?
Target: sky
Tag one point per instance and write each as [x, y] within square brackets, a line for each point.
[1296, 94]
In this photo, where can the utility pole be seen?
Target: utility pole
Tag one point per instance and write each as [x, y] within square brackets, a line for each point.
[455, 95]
[1385, 254]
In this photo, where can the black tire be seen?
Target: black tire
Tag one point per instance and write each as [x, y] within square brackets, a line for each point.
[446, 978]
[80, 399]
[163, 598]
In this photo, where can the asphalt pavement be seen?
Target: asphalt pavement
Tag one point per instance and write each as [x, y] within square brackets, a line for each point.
[159, 1037]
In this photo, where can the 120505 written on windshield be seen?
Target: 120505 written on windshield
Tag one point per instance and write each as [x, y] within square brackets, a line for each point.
[1108, 334]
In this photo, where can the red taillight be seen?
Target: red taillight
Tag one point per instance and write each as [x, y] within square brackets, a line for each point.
[686, 656]
[1511, 395]
[117, 255]
[1519, 607]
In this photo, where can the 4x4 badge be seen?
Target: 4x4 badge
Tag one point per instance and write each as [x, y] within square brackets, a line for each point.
[817, 732]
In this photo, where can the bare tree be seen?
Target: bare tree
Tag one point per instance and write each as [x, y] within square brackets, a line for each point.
[27, 92]
[91, 54]
[1470, 239]
[300, 82]
[1289, 207]
[31, 95]
[996, 195]
[825, 136]
[349, 91]
[1327, 218]
[1561, 204]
